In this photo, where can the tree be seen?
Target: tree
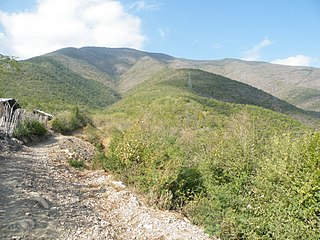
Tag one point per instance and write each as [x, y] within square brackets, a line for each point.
[8, 64]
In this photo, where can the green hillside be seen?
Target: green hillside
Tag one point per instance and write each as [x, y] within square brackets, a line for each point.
[241, 171]
[95, 77]
[113, 66]
[46, 84]
[214, 86]
[229, 156]
[224, 89]
[284, 82]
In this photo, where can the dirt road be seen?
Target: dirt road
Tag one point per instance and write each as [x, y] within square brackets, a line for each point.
[42, 197]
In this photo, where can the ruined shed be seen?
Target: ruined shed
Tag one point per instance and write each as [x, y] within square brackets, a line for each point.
[10, 101]
[10, 114]
[5, 104]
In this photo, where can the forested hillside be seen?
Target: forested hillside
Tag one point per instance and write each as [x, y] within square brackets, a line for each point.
[48, 85]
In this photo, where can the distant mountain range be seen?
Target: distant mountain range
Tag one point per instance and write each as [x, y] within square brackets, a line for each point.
[126, 68]
[97, 77]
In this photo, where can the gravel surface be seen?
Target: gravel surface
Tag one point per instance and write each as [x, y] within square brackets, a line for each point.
[42, 197]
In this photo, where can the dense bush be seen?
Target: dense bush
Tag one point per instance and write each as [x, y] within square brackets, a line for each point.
[69, 121]
[244, 187]
[29, 128]
[259, 192]
[240, 171]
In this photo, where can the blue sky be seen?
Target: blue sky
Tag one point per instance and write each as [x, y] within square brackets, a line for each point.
[278, 31]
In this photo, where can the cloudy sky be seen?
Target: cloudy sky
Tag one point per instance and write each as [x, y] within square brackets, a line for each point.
[278, 31]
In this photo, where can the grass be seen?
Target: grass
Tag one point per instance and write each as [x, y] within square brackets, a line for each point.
[68, 121]
[29, 128]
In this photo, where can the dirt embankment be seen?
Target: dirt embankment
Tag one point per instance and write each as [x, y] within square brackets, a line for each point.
[42, 197]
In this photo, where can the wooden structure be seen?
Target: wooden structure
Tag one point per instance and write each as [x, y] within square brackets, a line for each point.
[11, 102]
[10, 114]
[42, 116]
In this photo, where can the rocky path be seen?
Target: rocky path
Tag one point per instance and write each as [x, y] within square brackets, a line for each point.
[42, 197]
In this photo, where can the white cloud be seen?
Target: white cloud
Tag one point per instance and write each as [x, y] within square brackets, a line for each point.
[144, 5]
[164, 31]
[254, 53]
[78, 23]
[298, 60]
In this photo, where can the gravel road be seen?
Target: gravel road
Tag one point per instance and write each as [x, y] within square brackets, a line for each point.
[42, 197]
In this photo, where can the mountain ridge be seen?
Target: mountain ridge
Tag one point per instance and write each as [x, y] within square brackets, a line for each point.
[116, 71]
[298, 85]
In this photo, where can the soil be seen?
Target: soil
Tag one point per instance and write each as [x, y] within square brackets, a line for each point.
[43, 197]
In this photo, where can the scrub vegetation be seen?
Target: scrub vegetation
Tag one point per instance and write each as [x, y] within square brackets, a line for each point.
[230, 157]
[243, 172]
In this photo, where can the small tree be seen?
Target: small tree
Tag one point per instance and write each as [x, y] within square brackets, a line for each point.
[8, 64]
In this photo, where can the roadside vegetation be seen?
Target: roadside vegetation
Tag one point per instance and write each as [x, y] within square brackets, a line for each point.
[241, 171]
[68, 121]
[79, 164]
[29, 128]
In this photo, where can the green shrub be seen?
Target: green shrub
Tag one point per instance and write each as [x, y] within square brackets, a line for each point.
[70, 121]
[76, 163]
[29, 128]
[240, 171]
[238, 180]
[186, 186]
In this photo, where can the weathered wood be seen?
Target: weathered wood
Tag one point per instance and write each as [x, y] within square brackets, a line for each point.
[42, 116]
[10, 118]
[11, 114]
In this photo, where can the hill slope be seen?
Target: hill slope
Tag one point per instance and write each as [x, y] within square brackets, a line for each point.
[229, 167]
[105, 73]
[45, 83]
[114, 62]
[214, 86]
[297, 85]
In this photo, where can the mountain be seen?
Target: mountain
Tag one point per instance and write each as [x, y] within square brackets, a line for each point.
[97, 77]
[122, 69]
[117, 65]
[297, 85]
